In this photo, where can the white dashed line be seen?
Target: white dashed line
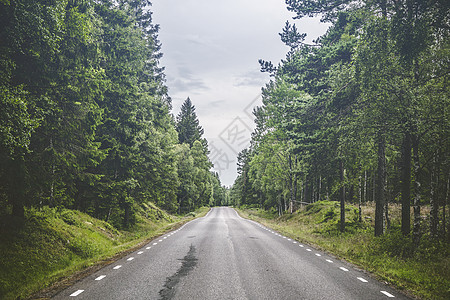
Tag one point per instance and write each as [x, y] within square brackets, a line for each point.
[100, 277]
[76, 293]
[317, 254]
[301, 245]
[362, 279]
[155, 244]
[140, 252]
[165, 237]
[387, 294]
[289, 240]
[343, 269]
[295, 242]
[330, 261]
[160, 240]
[117, 267]
[148, 248]
[130, 259]
[308, 250]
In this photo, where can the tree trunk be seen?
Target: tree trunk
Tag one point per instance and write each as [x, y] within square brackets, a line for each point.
[365, 186]
[444, 210]
[406, 184]
[380, 186]
[342, 195]
[320, 187]
[291, 186]
[360, 198]
[434, 218]
[417, 189]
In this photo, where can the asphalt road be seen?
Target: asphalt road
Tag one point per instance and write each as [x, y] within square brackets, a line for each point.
[223, 256]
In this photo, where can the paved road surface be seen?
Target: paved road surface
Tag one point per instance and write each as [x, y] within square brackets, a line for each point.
[223, 256]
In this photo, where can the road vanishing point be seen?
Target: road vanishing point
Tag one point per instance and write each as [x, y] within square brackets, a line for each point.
[223, 256]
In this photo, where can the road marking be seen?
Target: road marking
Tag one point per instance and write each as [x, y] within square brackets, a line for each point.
[301, 245]
[343, 269]
[100, 277]
[308, 250]
[130, 259]
[117, 267]
[140, 252]
[289, 240]
[155, 244]
[76, 293]
[387, 294]
[330, 261]
[317, 254]
[165, 237]
[148, 248]
[362, 279]
[295, 242]
[160, 240]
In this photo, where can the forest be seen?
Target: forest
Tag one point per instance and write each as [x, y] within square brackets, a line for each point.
[360, 115]
[85, 119]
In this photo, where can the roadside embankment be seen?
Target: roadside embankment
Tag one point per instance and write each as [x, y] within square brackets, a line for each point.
[52, 247]
[422, 270]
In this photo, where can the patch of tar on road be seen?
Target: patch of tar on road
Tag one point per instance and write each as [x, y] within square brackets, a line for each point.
[188, 264]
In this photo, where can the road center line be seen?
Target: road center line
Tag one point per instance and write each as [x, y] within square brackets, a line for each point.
[387, 294]
[100, 277]
[76, 293]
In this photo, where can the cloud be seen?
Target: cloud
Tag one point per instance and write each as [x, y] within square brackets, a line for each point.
[186, 81]
[250, 78]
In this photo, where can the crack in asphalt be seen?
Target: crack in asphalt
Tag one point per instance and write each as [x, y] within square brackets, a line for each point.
[188, 264]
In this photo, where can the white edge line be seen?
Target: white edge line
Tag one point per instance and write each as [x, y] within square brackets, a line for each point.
[76, 293]
[362, 279]
[387, 294]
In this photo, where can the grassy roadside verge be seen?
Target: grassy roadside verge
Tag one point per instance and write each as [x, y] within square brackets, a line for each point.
[420, 270]
[51, 246]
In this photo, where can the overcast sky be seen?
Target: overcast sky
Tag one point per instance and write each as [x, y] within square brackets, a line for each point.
[211, 50]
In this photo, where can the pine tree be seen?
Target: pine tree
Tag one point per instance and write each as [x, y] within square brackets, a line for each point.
[187, 126]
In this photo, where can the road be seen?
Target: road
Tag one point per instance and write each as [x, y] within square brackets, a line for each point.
[222, 256]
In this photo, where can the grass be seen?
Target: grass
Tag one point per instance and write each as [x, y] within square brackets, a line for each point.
[52, 244]
[421, 270]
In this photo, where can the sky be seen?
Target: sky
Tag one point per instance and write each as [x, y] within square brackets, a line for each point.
[210, 52]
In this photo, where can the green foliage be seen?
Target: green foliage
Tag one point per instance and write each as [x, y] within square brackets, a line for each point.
[85, 115]
[336, 115]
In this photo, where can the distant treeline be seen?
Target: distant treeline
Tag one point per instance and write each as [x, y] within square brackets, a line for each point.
[362, 114]
[85, 117]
